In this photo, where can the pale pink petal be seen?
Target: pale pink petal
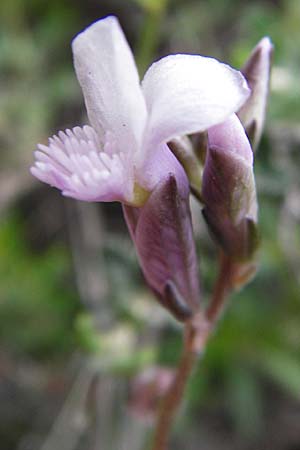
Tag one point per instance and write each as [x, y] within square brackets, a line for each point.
[109, 79]
[189, 93]
[75, 163]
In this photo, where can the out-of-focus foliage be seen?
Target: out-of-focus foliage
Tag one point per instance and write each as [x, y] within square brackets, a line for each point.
[255, 351]
[38, 303]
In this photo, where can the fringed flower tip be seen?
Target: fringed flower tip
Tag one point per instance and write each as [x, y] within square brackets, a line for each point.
[82, 167]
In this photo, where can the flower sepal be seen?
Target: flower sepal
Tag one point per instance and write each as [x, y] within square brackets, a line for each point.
[240, 241]
[163, 236]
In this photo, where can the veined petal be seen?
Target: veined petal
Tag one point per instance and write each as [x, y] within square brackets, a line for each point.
[189, 93]
[109, 80]
[75, 163]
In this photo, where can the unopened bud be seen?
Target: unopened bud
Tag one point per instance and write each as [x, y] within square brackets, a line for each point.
[229, 191]
[257, 73]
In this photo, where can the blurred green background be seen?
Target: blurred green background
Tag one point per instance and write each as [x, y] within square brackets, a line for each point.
[76, 323]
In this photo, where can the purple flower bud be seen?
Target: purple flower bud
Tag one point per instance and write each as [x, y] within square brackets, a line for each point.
[229, 191]
[257, 73]
[163, 235]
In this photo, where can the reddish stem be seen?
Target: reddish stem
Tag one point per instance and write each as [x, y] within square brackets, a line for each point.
[221, 290]
[174, 396]
[197, 332]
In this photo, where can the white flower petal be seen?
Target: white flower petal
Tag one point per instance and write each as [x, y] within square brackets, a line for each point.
[190, 93]
[109, 79]
[75, 163]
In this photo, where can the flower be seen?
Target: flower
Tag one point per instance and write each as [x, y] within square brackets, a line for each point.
[123, 155]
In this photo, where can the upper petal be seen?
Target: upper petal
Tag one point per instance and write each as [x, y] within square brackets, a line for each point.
[190, 93]
[109, 79]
